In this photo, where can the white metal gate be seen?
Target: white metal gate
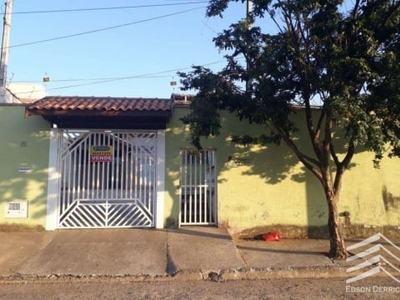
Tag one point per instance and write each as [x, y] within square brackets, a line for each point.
[107, 179]
[198, 187]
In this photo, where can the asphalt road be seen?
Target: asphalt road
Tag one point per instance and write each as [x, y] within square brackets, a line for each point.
[334, 288]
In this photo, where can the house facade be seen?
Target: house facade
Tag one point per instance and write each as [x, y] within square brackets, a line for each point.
[86, 162]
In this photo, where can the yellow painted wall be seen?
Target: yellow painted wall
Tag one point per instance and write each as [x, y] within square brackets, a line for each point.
[372, 196]
[257, 186]
[25, 143]
[262, 186]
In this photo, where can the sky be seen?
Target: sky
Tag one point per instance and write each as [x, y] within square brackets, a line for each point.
[134, 51]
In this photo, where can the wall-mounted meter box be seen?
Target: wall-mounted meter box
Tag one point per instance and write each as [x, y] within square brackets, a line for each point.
[17, 209]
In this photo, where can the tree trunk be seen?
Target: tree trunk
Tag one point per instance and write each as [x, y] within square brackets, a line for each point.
[336, 238]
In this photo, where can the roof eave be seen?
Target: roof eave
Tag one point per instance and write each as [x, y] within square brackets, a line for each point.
[97, 113]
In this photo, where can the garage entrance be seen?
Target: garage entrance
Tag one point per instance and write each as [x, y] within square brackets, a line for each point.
[107, 178]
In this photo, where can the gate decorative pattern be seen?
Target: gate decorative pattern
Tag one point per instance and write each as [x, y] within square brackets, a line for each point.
[198, 187]
[107, 179]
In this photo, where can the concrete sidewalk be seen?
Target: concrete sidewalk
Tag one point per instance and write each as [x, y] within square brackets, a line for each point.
[186, 253]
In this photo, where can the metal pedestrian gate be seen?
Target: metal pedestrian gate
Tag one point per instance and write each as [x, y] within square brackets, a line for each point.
[198, 192]
[107, 179]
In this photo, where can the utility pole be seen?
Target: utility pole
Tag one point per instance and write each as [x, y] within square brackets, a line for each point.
[249, 10]
[4, 43]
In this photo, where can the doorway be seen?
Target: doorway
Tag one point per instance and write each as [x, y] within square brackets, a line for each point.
[198, 187]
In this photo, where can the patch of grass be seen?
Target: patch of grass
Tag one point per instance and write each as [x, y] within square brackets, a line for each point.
[20, 228]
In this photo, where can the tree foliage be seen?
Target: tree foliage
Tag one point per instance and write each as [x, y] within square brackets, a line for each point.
[345, 60]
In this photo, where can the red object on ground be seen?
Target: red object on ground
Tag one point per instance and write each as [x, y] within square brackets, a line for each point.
[271, 236]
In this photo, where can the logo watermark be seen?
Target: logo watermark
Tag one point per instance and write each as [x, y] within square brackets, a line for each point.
[376, 264]
[372, 289]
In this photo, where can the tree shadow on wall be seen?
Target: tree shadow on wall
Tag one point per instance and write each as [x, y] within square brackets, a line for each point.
[390, 201]
[276, 164]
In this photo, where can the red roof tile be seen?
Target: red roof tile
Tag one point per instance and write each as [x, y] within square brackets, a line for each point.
[66, 103]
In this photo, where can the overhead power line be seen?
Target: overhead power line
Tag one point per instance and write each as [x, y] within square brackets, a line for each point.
[104, 29]
[87, 79]
[104, 8]
[143, 76]
[111, 79]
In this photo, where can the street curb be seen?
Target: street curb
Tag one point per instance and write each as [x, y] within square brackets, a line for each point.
[262, 273]
[287, 273]
[191, 275]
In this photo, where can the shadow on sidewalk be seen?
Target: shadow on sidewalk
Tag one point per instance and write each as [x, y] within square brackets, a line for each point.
[282, 251]
[202, 231]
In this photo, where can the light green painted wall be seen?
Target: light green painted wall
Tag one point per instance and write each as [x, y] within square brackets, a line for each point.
[25, 143]
[267, 186]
